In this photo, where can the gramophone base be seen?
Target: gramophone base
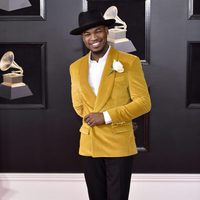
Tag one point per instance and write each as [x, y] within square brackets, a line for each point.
[14, 5]
[117, 33]
[8, 92]
[123, 44]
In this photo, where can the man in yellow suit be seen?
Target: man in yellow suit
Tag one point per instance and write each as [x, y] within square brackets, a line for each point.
[108, 91]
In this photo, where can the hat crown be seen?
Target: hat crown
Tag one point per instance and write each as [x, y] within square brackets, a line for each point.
[89, 17]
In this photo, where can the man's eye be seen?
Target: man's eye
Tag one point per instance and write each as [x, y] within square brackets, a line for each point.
[86, 34]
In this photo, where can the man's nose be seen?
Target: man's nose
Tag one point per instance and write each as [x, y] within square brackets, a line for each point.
[93, 36]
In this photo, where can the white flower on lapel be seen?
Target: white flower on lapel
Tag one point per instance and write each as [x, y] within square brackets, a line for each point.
[117, 66]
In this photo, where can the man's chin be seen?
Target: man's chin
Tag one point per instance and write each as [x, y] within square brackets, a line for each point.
[97, 51]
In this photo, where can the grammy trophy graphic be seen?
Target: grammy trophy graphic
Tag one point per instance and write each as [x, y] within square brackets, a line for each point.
[12, 86]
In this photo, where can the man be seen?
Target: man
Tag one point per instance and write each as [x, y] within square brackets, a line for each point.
[108, 91]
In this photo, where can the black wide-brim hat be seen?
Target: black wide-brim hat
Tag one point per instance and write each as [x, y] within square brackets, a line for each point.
[91, 19]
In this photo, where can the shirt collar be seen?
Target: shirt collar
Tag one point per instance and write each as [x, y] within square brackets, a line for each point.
[102, 58]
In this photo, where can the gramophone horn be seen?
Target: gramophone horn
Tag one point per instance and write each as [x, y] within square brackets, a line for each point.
[7, 61]
[112, 13]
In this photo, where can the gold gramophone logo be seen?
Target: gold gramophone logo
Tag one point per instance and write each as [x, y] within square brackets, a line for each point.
[117, 35]
[12, 86]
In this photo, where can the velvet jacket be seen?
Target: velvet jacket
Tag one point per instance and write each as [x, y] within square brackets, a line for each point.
[124, 95]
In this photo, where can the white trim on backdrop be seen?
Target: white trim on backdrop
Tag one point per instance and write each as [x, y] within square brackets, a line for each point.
[15, 186]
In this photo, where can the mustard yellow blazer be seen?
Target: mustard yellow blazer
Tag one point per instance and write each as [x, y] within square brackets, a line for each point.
[124, 95]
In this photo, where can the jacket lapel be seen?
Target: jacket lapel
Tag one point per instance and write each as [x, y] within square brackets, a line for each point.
[107, 81]
[86, 90]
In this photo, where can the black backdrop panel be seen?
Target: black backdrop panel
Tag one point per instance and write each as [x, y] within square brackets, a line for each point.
[133, 13]
[193, 74]
[34, 12]
[32, 58]
[196, 7]
[47, 140]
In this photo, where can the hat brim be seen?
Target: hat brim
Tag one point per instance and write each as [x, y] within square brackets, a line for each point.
[81, 29]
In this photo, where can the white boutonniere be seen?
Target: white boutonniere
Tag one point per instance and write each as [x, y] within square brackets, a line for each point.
[117, 66]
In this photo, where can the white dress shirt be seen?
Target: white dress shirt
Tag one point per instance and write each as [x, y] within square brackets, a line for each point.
[94, 77]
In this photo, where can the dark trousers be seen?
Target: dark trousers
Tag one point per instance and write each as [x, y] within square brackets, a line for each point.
[107, 178]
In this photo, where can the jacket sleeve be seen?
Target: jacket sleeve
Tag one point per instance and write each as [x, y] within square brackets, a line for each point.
[140, 99]
[75, 93]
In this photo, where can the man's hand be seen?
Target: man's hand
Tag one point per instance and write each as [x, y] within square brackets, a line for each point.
[94, 119]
